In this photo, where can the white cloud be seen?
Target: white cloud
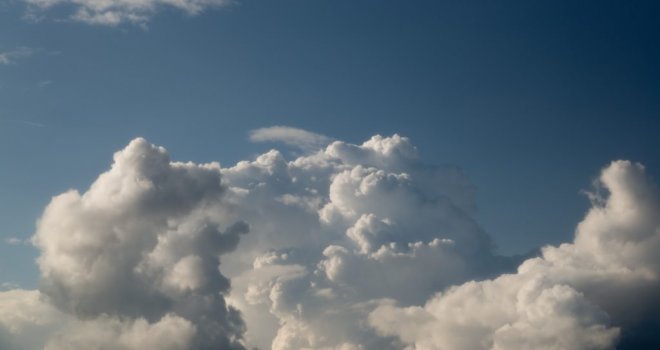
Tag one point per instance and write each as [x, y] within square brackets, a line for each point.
[575, 296]
[171, 332]
[303, 139]
[338, 229]
[11, 56]
[115, 12]
[28, 321]
[350, 247]
[143, 242]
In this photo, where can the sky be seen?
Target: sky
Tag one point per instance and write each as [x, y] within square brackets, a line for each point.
[510, 111]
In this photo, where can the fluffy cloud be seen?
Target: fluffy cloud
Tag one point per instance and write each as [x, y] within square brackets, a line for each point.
[345, 243]
[25, 320]
[575, 296]
[336, 230]
[138, 255]
[114, 12]
[28, 322]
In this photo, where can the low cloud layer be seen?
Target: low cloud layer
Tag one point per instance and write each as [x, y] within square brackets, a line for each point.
[349, 247]
[115, 12]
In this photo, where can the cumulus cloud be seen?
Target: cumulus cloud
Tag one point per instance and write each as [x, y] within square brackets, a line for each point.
[350, 246]
[115, 12]
[303, 139]
[575, 296]
[335, 230]
[28, 322]
[138, 254]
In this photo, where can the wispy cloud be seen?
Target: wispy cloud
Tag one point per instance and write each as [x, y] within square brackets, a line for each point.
[300, 138]
[24, 122]
[11, 56]
[44, 83]
[14, 241]
[115, 12]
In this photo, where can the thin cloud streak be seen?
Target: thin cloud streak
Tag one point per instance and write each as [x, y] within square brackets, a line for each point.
[303, 139]
[117, 12]
[11, 56]
[14, 241]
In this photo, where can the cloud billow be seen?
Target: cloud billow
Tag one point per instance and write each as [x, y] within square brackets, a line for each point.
[580, 295]
[349, 247]
[139, 251]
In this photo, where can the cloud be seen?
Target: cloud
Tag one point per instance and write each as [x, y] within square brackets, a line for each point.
[338, 229]
[12, 56]
[13, 241]
[300, 138]
[575, 296]
[116, 12]
[29, 322]
[353, 246]
[138, 254]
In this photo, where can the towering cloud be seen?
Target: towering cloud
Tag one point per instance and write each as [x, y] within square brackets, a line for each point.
[350, 247]
[334, 231]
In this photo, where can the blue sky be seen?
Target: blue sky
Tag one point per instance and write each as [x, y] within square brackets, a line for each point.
[530, 99]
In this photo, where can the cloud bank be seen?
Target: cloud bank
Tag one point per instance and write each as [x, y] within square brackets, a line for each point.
[115, 12]
[349, 247]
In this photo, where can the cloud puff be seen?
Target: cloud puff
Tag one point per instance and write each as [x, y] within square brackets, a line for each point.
[351, 246]
[28, 322]
[300, 138]
[139, 252]
[575, 296]
[115, 12]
